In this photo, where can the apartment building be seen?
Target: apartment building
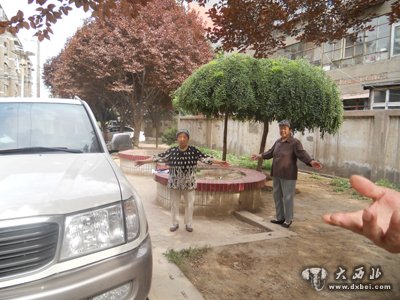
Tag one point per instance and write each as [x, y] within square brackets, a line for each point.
[15, 65]
[365, 68]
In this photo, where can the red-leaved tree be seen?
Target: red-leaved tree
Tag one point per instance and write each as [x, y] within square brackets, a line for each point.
[138, 59]
[263, 26]
[239, 23]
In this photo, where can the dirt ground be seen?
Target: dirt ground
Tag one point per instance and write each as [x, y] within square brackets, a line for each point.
[272, 269]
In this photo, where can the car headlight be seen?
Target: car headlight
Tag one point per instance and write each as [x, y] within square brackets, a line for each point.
[100, 229]
[131, 219]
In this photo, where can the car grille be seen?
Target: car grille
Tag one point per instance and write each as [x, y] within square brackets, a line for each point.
[27, 247]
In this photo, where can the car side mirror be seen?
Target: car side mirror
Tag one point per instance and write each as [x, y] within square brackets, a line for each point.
[120, 141]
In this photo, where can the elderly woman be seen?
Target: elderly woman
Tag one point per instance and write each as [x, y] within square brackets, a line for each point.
[182, 161]
[285, 152]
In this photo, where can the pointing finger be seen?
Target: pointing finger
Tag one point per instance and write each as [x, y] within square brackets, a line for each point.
[366, 187]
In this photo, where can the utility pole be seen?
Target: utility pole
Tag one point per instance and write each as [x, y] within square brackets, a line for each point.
[38, 69]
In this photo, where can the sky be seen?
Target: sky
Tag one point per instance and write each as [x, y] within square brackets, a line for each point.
[62, 30]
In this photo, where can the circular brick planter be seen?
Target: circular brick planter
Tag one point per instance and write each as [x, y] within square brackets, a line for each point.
[213, 196]
[127, 161]
[219, 196]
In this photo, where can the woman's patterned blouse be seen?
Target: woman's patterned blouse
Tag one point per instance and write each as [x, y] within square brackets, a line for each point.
[182, 166]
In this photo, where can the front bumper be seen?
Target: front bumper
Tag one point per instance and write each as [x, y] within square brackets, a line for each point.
[84, 283]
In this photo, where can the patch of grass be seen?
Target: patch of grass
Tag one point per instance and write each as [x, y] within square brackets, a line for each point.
[316, 176]
[243, 161]
[185, 255]
[356, 195]
[386, 183]
[340, 184]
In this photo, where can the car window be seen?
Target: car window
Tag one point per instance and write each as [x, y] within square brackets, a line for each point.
[118, 129]
[55, 125]
[113, 129]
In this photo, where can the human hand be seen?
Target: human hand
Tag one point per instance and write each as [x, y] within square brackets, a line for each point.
[255, 157]
[316, 165]
[139, 163]
[222, 163]
[225, 164]
[380, 222]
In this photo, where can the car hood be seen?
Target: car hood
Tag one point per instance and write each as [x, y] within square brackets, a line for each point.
[55, 183]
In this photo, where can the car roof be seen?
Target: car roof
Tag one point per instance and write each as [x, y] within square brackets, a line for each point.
[40, 100]
[125, 126]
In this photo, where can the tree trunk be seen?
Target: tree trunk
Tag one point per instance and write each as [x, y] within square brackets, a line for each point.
[104, 130]
[157, 121]
[138, 105]
[262, 145]
[137, 126]
[224, 146]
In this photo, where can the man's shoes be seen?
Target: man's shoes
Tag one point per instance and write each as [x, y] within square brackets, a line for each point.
[174, 227]
[278, 221]
[189, 228]
[287, 225]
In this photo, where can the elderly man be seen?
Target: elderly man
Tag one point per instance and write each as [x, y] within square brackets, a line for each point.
[285, 152]
[182, 161]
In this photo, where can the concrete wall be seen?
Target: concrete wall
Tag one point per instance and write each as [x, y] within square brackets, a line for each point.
[368, 142]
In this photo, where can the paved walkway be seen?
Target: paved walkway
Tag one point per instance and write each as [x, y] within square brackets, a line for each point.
[168, 281]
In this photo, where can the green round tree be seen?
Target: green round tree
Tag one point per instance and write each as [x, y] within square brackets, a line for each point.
[297, 91]
[223, 87]
[263, 90]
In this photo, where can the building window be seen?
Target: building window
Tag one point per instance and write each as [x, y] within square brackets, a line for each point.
[366, 47]
[353, 46]
[377, 40]
[332, 52]
[396, 39]
[356, 104]
[293, 51]
[312, 53]
[353, 50]
[388, 98]
[394, 98]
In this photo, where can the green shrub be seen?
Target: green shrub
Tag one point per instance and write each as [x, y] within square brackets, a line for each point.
[169, 136]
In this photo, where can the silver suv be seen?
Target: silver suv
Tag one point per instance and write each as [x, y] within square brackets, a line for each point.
[71, 225]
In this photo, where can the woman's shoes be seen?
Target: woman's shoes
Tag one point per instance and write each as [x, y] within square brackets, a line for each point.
[282, 222]
[277, 221]
[287, 225]
[174, 227]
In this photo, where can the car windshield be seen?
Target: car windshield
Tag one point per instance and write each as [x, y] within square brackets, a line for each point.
[46, 127]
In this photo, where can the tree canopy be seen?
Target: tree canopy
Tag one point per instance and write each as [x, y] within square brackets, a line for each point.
[48, 14]
[266, 24]
[259, 25]
[131, 61]
[263, 90]
[221, 88]
[300, 92]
